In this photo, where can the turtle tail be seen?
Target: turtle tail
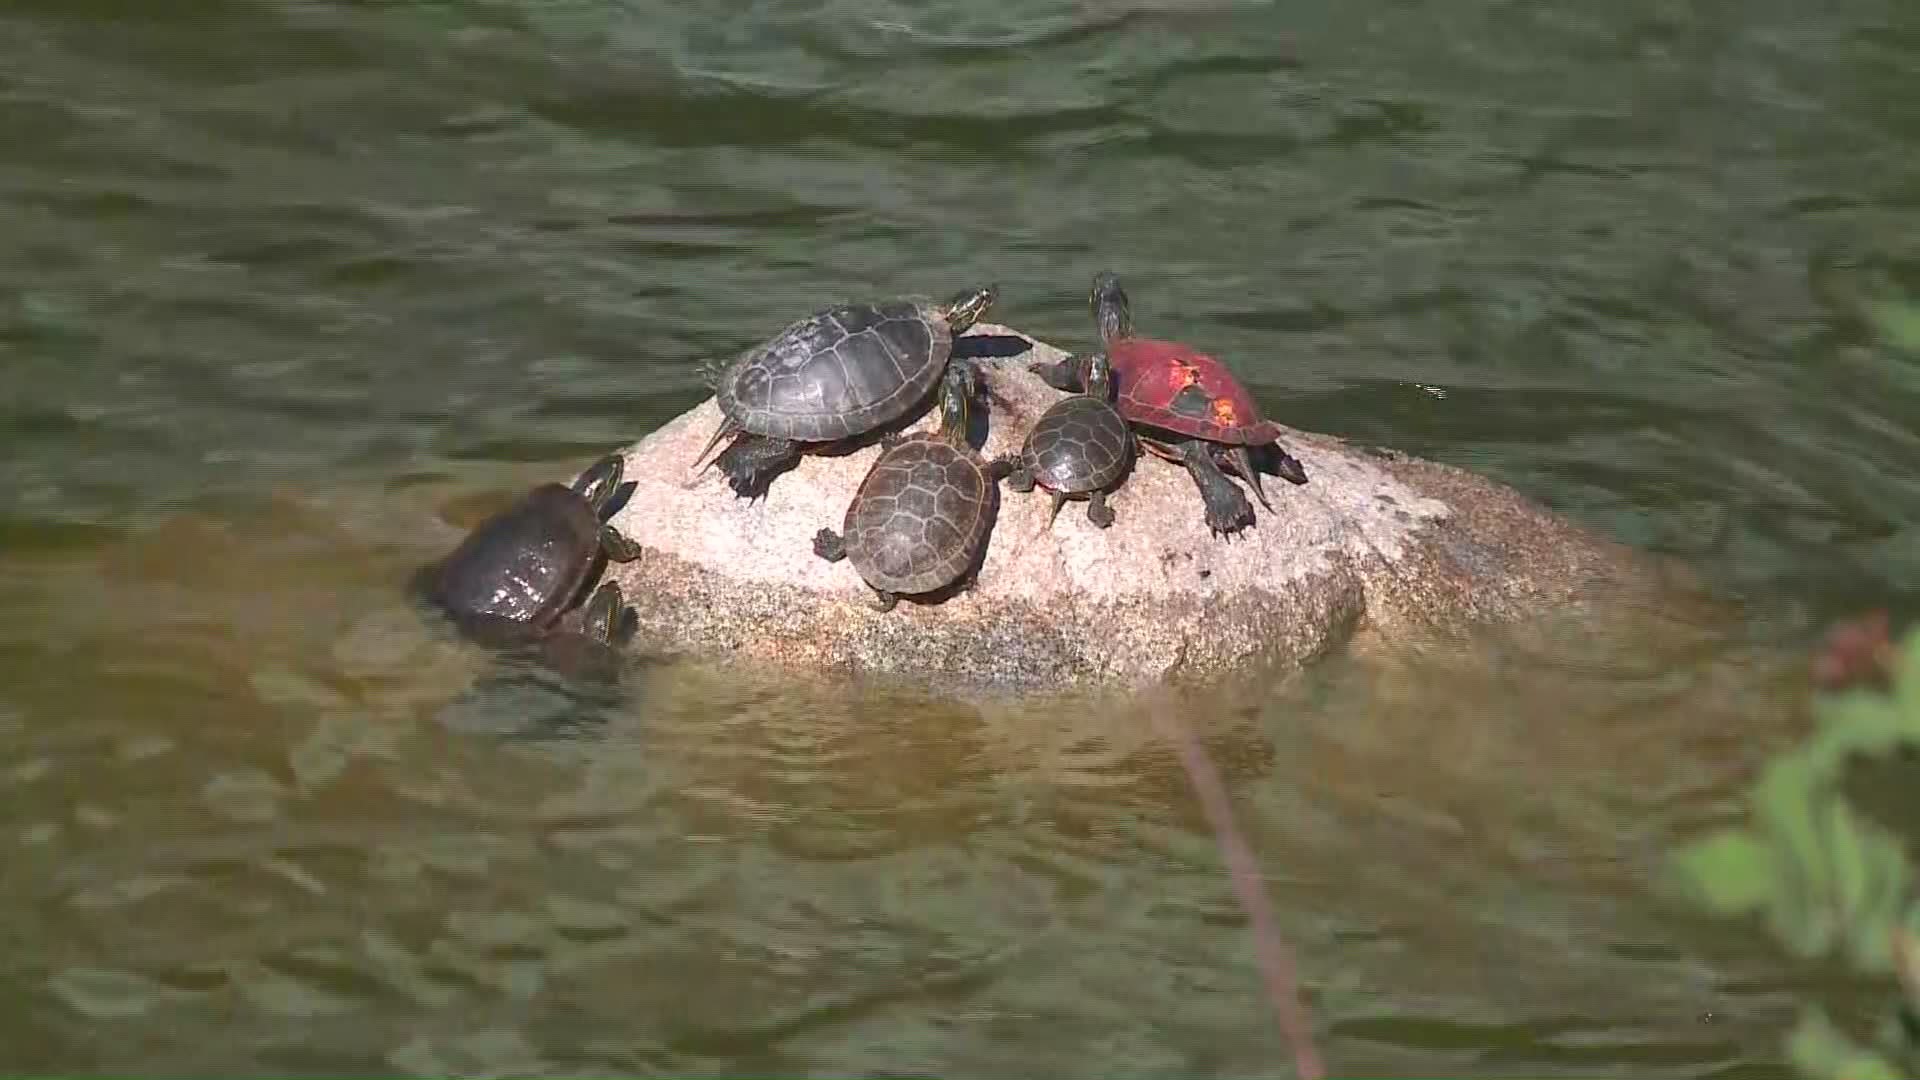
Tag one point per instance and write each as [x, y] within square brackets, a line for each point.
[727, 427]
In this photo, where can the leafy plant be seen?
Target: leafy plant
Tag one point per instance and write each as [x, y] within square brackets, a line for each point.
[1825, 879]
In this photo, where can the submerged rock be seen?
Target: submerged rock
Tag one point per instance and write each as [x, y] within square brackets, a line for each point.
[1375, 539]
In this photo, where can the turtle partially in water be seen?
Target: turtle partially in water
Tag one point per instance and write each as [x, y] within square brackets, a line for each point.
[924, 512]
[833, 376]
[1079, 448]
[1186, 407]
[518, 572]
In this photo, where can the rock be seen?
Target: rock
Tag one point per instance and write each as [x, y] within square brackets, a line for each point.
[1375, 539]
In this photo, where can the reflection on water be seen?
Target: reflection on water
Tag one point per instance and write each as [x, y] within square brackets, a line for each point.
[288, 807]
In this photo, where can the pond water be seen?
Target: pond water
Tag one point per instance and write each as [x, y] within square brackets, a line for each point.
[293, 292]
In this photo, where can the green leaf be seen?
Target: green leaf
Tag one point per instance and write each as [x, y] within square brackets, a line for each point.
[1789, 802]
[1847, 858]
[1906, 675]
[1884, 907]
[1820, 1049]
[1729, 871]
[1857, 722]
[1898, 321]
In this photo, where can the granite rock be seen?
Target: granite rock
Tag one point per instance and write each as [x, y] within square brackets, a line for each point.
[1375, 539]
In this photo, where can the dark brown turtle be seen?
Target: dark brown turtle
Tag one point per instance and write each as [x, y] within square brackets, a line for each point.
[832, 376]
[520, 570]
[925, 509]
[1079, 448]
[1186, 407]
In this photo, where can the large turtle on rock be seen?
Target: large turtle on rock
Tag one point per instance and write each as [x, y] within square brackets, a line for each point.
[517, 573]
[1186, 406]
[833, 376]
[1079, 448]
[926, 508]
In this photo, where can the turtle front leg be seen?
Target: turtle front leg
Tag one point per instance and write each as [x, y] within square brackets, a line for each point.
[1064, 375]
[1010, 468]
[883, 600]
[751, 462]
[1228, 510]
[1098, 511]
[618, 546]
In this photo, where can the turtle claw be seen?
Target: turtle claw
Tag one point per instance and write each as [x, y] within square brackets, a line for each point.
[1098, 511]
[1008, 469]
[752, 460]
[829, 545]
[1226, 517]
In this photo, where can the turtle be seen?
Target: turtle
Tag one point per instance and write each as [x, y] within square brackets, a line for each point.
[831, 377]
[924, 512]
[519, 571]
[1079, 447]
[1186, 406]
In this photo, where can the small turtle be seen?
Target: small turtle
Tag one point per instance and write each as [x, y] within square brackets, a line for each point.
[925, 509]
[1079, 448]
[833, 376]
[520, 570]
[1186, 406]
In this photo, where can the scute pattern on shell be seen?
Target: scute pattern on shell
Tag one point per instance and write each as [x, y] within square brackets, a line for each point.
[920, 516]
[1168, 385]
[838, 373]
[1079, 444]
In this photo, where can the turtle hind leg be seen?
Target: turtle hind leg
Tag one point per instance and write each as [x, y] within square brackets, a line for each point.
[751, 462]
[1017, 475]
[1098, 511]
[883, 600]
[1228, 510]
[604, 614]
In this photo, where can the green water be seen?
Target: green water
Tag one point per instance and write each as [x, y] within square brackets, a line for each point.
[291, 292]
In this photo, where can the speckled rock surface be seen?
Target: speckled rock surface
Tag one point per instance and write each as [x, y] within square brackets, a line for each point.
[1375, 539]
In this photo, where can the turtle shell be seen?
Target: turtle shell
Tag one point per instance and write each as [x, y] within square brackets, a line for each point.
[839, 372]
[920, 516]
[522, 565]
[1080, 444]
[1167, 385]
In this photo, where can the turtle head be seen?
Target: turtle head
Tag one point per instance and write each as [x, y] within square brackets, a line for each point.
[1096, 377]
[966, 308]
[600, 481]
[1111, 311]
[956, 402]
